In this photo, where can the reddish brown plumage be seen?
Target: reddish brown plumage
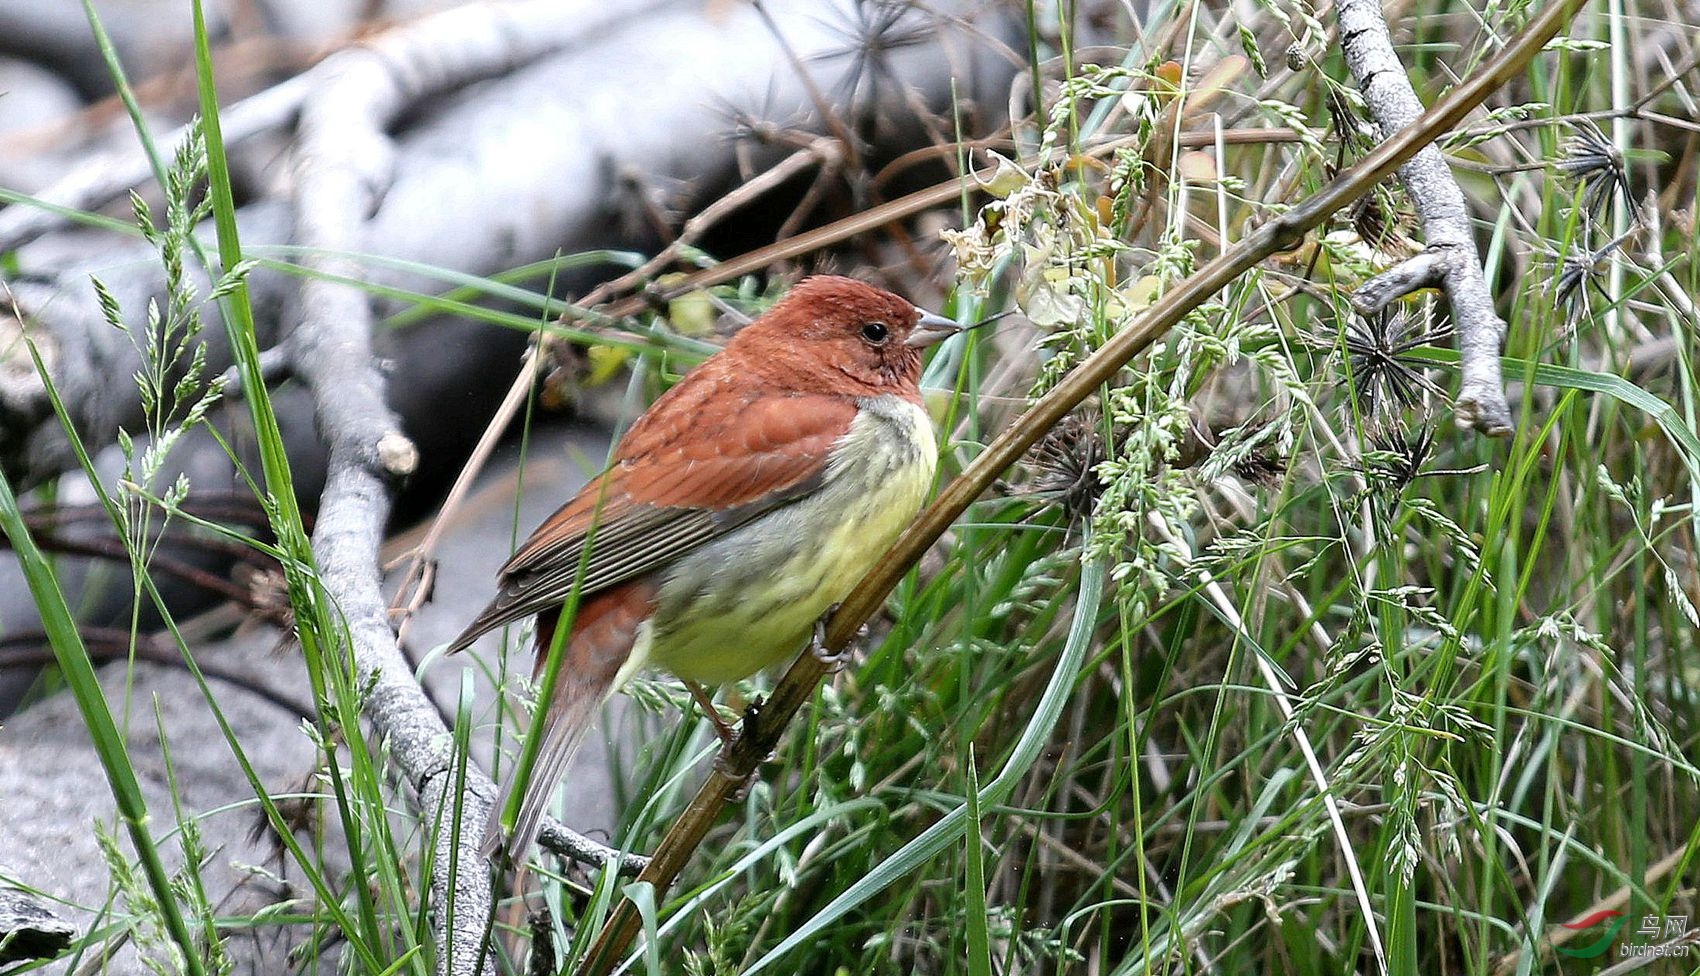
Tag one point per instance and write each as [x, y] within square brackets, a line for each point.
[749, 431]
[728, 448]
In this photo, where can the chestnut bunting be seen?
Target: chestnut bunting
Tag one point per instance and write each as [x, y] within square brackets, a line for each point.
[738, 509]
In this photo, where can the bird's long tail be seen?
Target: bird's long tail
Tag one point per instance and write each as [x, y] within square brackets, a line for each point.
[570, 716]
[599, 655]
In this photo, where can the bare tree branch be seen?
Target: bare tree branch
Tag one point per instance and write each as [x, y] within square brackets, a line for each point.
[343, 165]
[1449, 260]
[103, 178]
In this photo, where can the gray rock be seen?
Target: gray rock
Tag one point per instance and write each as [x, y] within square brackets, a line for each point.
[29, 929]
[31, 97]
[56, 788]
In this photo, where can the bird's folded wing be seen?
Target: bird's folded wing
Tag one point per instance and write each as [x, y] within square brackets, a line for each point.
[682, 477]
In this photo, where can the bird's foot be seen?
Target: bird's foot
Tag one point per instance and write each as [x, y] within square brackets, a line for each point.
[706, 703]
[741, 792]
[833, 660]
[727, 764]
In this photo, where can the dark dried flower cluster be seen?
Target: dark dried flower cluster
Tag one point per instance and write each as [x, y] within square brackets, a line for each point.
[1262, 468]
[1590, 157]
[872, 30]
[1578, 272]
[1064, 465]
[1379, 225]
[1388, 379]
[1385, 376]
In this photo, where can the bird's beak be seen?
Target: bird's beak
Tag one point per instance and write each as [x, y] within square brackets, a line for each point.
[932, 329]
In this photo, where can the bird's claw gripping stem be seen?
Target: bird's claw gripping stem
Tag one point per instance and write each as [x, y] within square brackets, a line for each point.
[833, 660]
[727, 763]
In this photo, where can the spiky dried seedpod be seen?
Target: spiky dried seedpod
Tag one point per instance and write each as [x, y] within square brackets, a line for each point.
[1063, 466]
[872, 30]
[1382, 226]
[299, 809]
[1592, 158]
[1262, 468]
[1577, 272]
[1378, 355]
[1254, 461]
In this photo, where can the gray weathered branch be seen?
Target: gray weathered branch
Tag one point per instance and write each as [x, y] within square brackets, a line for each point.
[1449, 260]
[105, 176]
[344, 162]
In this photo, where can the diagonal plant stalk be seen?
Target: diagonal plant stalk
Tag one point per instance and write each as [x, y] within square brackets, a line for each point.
[1283, 232]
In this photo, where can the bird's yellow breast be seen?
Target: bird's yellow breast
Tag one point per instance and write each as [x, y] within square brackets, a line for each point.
[750, 599]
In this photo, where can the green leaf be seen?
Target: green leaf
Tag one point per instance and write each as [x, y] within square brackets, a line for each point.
[979, 939]
[1589, 381]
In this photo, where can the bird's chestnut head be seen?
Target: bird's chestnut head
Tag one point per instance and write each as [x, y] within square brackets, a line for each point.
[843, 335]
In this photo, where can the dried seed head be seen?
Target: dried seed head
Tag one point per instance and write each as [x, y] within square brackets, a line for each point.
[1592, 158]
[871, 30]
[1577, 273]
[1064, 464]
[1384, 374]
[1381, 226]
[1262, 468]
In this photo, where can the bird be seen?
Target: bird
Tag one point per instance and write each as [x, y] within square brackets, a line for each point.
[735, 512]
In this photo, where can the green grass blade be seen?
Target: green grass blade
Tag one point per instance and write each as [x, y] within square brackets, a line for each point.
[319, 628]
[12, 198]
[1669, 419]
[979, 939]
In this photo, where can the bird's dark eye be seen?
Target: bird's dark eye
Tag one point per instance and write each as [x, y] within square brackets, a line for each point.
[875, 332]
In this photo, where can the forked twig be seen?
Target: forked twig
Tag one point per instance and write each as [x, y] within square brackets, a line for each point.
[1448, 260]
